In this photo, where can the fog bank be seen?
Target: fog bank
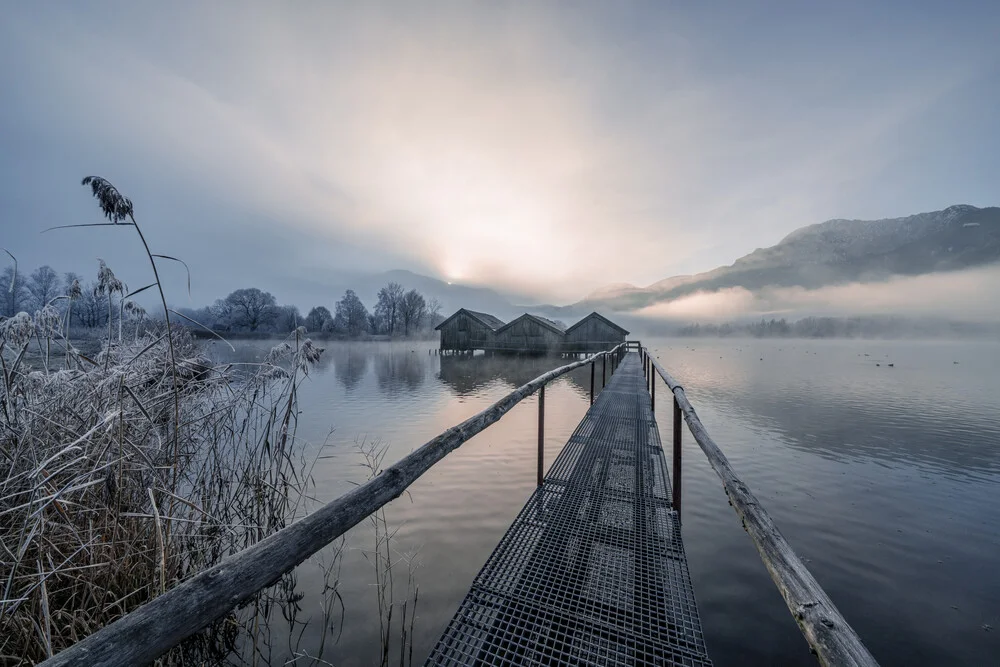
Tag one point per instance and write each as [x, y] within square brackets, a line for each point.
[970, 295]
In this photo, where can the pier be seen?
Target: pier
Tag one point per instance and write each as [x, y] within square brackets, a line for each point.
[592, 571]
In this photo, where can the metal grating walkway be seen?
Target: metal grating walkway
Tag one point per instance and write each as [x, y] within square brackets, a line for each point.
[592, 571]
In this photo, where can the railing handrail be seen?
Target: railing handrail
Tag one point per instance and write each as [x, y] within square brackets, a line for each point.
[151, 630]
[826, 631]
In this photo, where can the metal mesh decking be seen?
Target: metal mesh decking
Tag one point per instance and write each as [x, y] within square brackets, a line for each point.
[592, 571]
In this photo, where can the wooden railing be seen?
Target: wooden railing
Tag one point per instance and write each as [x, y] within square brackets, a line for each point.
[148, 632]
[826, 631]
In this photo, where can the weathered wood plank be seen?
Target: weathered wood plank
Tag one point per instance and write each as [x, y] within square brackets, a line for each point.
[826, 631]
[151, 630]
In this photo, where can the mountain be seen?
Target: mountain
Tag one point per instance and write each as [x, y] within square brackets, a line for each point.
[836, 252]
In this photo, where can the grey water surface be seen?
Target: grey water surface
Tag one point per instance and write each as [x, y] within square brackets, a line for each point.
[884, 479]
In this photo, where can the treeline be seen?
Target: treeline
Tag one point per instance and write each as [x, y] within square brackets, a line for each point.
[841, 327]
[20, 291]
[91, 304]
[397, 312]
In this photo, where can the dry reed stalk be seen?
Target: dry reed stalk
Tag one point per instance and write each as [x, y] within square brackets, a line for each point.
[149, 459]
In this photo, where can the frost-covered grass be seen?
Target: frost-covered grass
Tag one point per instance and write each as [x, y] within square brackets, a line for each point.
[97, 513]
[124, 473]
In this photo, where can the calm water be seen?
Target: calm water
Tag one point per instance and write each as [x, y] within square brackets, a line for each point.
[885, 480]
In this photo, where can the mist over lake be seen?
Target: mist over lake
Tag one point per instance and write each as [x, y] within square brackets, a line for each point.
[881, 478]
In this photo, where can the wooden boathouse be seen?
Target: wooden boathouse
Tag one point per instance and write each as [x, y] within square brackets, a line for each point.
[593, 334]
[592, 571]
[530, 334]
[468, 330]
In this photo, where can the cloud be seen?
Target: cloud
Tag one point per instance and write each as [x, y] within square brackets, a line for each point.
[539, 151]
[972, 294]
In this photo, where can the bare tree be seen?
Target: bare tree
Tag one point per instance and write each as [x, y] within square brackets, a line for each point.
[14, 295]
[250, 307]
[412, 310]
[89, 311]
[287, 318]
[43, 285]
[390, 298]
[434, 312]
[317, 318]
[222, 314]
[352, 316]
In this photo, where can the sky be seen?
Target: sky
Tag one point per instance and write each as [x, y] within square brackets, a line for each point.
[544, 149]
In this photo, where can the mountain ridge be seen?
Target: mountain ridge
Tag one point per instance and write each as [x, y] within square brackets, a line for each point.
[835, 252]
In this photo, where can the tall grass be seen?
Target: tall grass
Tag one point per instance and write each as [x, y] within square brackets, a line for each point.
[125, 474]
[385, 562]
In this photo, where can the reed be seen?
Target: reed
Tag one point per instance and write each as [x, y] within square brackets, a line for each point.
[124, 474]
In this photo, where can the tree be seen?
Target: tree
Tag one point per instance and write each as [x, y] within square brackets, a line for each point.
[287, 318]
[412, 310]
[434, 317]
[205, 316]
[43, 285]
[317, 318]
[387, 309]
[89, 310]
[14, 295]
[249, 307]
[352, 316]
[222, 314]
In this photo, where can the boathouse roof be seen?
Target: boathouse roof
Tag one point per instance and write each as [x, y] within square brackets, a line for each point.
[597, 315]
[544, 321]
[487, 320]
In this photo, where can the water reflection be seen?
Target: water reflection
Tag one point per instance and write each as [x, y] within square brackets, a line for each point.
[350, 363]
[468, 374]
[400, 371]
[832, 401]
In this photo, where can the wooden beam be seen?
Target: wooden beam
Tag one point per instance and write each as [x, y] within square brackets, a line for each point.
[826, 631]
[541, 435]
[148, 632]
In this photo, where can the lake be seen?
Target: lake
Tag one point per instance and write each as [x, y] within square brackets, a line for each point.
[883, 479]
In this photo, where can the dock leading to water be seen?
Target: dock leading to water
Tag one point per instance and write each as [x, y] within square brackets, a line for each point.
[593, 570]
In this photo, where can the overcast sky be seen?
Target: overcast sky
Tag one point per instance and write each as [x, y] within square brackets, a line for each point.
[542, 148]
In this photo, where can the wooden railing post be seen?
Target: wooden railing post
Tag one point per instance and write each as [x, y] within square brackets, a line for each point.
[677, 458]
[591, 382]
[541, 435]
[604, 370]
[649, 373]
[652, 394]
